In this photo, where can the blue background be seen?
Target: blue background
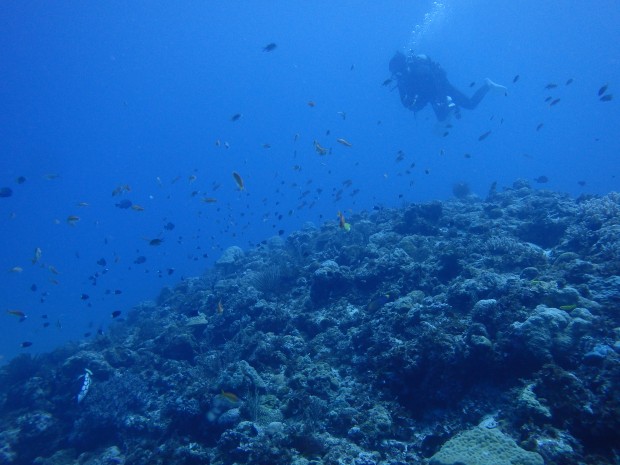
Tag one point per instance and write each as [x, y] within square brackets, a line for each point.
[105, 94]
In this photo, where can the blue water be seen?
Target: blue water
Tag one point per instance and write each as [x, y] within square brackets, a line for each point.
[109, 94]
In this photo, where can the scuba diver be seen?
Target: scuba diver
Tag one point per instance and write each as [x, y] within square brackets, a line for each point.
[421, 81]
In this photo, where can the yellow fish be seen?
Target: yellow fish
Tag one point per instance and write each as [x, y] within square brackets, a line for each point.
[230, 397]
[138, 208]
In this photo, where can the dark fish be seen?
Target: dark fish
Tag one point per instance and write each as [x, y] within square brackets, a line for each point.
[472, 84]
[88, 334]
[548, 99]
[116, 313]
[26, 344]
[387, 82]
[554, 102]
[46, 324]
[269, 47]
[542, 179]
[170, 271]
[33, 288]
[156, 242]
[515, 79]
[538, 128]
[606, 98]
[20, 180]
[569, 82]
[101, 262]
[581, 183]
[602, 90]
[377, 303]
[6, 192]
[169, 226]
[124, 204]
[484, 136]
[550, 86]
[117, 291]
[140, 260]
[85, 296]
[235, 117]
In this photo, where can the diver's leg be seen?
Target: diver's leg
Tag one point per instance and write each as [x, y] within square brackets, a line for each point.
[472, 102]
[442, 111]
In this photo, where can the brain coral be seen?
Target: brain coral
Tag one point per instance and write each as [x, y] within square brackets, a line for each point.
[483, 446]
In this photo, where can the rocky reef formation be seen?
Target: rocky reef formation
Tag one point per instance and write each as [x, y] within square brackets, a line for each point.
[419, 332]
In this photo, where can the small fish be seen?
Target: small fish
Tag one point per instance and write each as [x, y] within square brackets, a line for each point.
[209, 199]
[82, 204]
[192, 178]
[377, 303]
[539, 127]
[342, 223]
[554, 102]
[6, 192]
[50, 176]
[270, 47]
[569, 82]
[541, 179]
[342, 114]
[85, 297]
[137, 208]
[26, 344]
[235, 117]
[102, 262]
[120, 189]
[169, 226]
[156, 242]
[238, 180]
[53, 269]
[18, 313]
[116, 313]
[387, 82]
[124, 204]
[484, 136]
[37, 255]
[73, 219]
[140, 260]
[606, 98]
[20, 180]
[602, 90]
[344, 142]
[230, 397]
[311, 104]
[550, 86]
[515, 79]
[320, 149]
[16, 269]
[472, 84]
[220, 307]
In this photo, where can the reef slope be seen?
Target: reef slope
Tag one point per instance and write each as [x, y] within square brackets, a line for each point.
[395, 342]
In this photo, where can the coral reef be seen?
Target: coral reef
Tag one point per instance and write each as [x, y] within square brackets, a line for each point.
[437, 333]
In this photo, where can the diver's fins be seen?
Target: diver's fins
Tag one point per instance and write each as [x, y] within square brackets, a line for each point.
[496, 87]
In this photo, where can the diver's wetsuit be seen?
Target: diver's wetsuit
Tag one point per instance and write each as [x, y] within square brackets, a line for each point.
[425, 82]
